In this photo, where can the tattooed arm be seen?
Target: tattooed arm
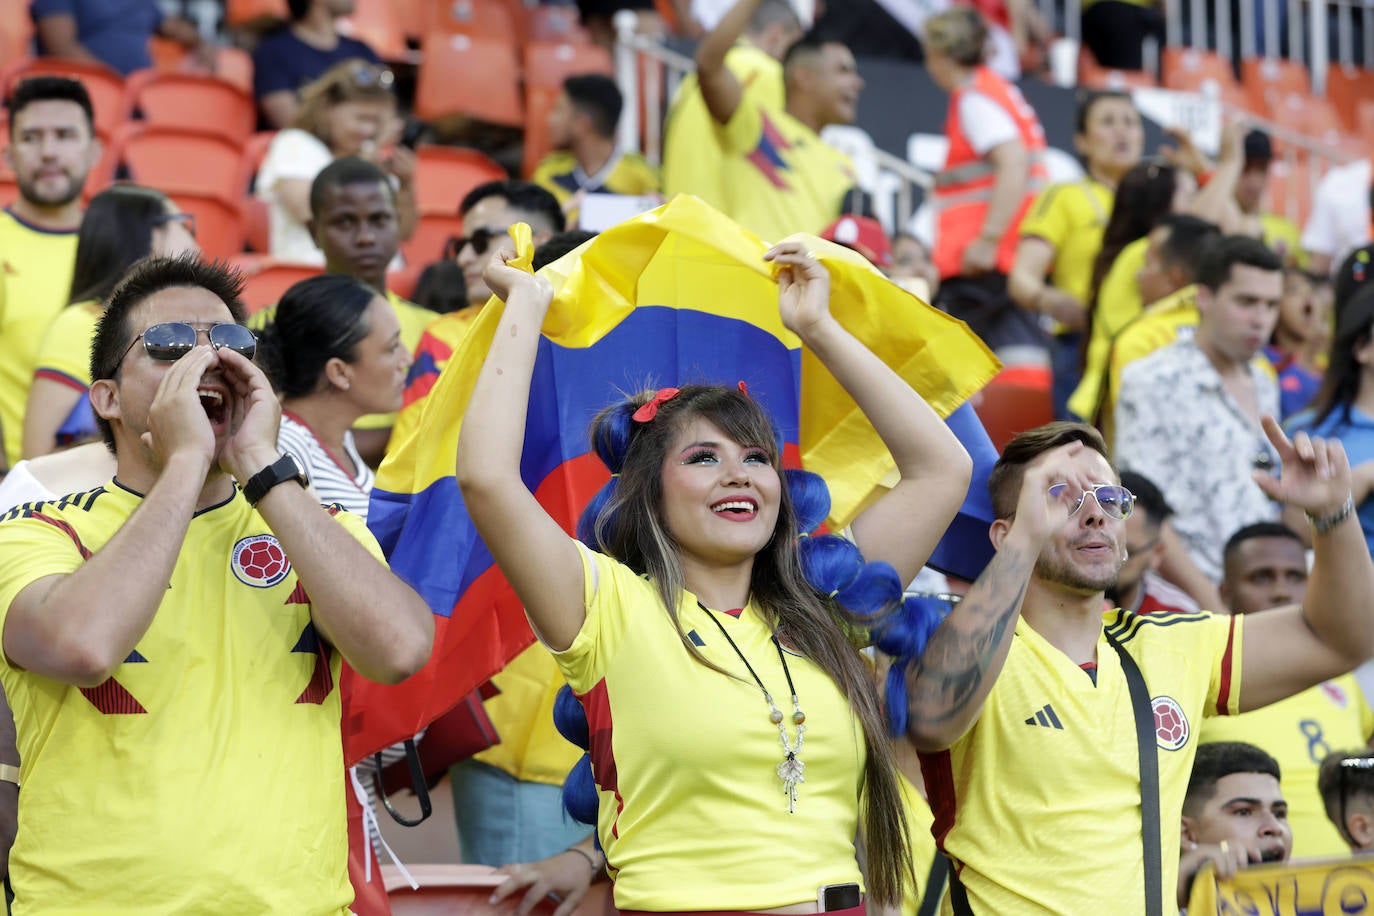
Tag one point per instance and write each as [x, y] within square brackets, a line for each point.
[947, 688]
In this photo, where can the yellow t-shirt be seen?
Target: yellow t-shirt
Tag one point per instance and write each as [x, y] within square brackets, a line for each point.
[1118, 302]
[206, 775]
[1283, 235]
[693, 816]
[1299, 732]
[782, 177]
[37, 264]
[560, 175]
[1038, 804]
[1071, 216]
[693, 162]
[923, 850]
[1157, 326]
[65, 354]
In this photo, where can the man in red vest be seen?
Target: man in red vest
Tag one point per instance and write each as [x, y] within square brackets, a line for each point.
[992, 171]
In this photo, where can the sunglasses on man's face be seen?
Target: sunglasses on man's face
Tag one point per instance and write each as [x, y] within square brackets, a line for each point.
[171, 340]
[480, 240]
[1114, 501]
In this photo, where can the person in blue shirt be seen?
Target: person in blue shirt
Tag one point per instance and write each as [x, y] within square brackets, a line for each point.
[299, 53]
[112, 32]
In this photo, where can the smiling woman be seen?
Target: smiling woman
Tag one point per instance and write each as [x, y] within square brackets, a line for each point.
[709, 645]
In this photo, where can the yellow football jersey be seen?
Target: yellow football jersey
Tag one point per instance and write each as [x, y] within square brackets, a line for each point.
[206, 775]
[37, 264]
[1038, 804]
[1071, 217]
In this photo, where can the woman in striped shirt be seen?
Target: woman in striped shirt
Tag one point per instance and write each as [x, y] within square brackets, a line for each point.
[334, 353]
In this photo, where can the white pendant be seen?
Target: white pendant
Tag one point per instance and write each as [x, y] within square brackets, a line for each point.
[792, 773]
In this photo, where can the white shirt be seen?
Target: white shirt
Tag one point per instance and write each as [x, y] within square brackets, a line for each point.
[331, 483]
[1339, 221]
[1177, 425]
[985, 123]
[299, 154]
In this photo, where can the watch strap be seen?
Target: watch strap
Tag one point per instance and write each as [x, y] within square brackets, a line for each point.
[280, 471]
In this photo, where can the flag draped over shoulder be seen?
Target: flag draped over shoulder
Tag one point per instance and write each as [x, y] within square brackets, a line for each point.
[679, 294]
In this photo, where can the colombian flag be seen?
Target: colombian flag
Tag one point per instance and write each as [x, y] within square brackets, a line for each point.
[679, 294]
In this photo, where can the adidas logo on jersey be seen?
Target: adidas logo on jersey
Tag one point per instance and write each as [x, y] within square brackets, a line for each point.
[1046, 717]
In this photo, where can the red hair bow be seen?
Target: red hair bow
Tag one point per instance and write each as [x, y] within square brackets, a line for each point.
[647, 412]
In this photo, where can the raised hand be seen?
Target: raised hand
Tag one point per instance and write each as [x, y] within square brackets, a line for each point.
[1038, 514]
[505, 280]
[255, 415]
[177, 424]
[1315, 474]
[803, 287]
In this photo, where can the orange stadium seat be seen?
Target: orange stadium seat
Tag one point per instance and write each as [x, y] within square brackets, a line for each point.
[1016, 400]
[376, 23]
[249, 12]
[1263, 76]
[473, 77]
[494, 19]
[1290, 188]
[265, 282]
[105, 86]
[9, 187]
[1364, 121]
[234, 65]
[1314, 118]
[192, 100]
[430, 238]
[16, 33]
[556, 23]
[219, 225]
[175, 159]
[1346, 87]
[547, 64]
[445, 174]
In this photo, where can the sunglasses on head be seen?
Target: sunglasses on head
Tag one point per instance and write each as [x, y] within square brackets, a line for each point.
[171, 340]
[186, 219]
[1114, 501]
[480, 240]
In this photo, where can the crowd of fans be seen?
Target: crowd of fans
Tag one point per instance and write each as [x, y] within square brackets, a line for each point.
[1201, 359]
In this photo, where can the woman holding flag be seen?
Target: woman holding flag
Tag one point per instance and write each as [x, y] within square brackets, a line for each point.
[736, 734]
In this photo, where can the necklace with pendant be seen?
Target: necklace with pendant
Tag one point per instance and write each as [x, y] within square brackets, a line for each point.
[792, 770]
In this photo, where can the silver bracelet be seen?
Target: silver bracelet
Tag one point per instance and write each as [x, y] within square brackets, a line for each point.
[586, 855]
[1323, 524]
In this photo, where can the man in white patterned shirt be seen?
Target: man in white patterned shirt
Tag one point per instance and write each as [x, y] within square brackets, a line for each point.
[1188, 416]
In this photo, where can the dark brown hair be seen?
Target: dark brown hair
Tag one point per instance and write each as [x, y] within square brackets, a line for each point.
[1004, 483]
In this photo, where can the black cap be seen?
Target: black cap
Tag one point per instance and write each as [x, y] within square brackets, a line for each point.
[1257, 147]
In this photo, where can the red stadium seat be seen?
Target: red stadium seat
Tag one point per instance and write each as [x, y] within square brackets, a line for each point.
[257, 224]
[239, 13]
[1188, 70]
[377, 24]
[1290, 188]
[172, 159]
[547, 64]
[1016, 400]
[1346, 87]
[105, 86]
[1095, 76]
[190, 100]
[432, 232]
[556, 23]
[445, 174]
[476, 78]
[219, 225]
[1265, 75]
[16, 33]
[493, 19]
[265, 285]
[233, 65]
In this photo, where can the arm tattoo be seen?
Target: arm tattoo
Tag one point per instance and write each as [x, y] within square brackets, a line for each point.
[955, 671]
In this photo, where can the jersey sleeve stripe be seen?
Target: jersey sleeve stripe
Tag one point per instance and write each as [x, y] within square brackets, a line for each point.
[65, 528]
[1224, 691]
[939, 776]
[62, 378]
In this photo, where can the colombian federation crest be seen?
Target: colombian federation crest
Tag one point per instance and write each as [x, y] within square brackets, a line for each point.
[259, 561]
[1171, 725]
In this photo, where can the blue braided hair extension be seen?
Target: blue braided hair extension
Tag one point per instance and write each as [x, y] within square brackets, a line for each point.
[903, 638]
[579, 788]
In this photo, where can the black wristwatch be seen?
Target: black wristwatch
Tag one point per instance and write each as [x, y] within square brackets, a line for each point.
[280, 471]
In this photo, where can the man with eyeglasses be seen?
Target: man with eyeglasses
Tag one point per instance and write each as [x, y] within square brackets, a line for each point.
[172, 644]
[1139, 586]
[1266, 568]
[1040, 717]
[1346, 784]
